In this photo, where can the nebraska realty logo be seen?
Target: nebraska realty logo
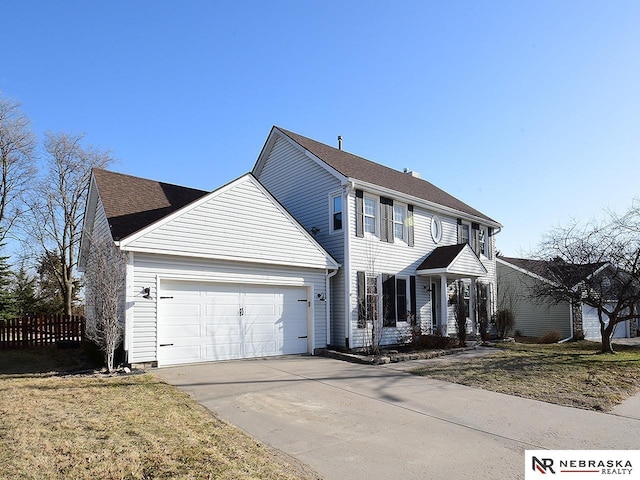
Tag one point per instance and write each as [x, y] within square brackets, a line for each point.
[582, 464]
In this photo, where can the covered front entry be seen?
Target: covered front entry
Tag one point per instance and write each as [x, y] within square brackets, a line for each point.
[446, 265]
[200, 321]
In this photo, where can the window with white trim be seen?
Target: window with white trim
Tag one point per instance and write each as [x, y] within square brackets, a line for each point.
[402, 298]
[464, 229]
[370, 208]
[336, 213]
[482, 242]
[372, 297]
[399, 220]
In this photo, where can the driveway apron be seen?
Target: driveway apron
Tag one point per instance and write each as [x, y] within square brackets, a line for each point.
[351, 421]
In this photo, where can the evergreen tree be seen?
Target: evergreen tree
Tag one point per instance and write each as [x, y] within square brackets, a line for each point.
[7, 299]
[24, 292]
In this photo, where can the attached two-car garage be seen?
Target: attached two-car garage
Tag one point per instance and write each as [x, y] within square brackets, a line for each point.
[223, 275]
[208, 321]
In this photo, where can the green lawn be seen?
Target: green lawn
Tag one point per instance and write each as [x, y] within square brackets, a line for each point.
[121, 427]
[573, 374]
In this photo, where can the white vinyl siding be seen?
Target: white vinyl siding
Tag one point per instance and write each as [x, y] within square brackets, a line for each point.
[369, 253]
[149, 269]
[302, 187]
[239, 223]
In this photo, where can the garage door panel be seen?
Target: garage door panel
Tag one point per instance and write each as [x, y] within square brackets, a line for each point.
[203, 322]
[180, 354]
[260, 349]
[183, 310]
[182, 331]
[227, 351]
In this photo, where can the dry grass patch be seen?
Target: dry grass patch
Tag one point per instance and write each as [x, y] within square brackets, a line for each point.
[572, 374]
[122, 427]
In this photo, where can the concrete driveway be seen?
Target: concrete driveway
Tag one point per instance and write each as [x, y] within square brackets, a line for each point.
[366, 422]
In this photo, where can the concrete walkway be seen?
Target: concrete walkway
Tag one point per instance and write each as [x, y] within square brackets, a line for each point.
[365, 422]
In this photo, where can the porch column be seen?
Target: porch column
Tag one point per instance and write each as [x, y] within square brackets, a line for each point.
[473, 306]
[443, 304]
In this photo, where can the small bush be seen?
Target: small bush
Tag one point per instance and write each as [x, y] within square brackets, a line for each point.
[552, 336]
[504, 321]
[436, 341]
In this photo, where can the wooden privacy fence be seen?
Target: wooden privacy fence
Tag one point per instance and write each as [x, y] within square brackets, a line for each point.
[39, 331]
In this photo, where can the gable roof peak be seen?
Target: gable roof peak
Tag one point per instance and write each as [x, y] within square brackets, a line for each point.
[359, 168]
[132, 203]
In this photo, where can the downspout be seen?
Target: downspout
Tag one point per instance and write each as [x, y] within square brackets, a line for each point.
[348, 188]
[570, 337]
[327, 302]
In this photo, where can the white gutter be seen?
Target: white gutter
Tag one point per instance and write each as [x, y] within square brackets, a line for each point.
[442, 209]
[327, 302]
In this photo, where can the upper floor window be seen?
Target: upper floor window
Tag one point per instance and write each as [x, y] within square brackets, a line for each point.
[482, 242]
[399, 220]
[336, 212]
[370, 215]
[463, 230]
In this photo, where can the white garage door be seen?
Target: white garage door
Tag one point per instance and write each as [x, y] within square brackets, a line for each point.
[199, 322]
[591, 325]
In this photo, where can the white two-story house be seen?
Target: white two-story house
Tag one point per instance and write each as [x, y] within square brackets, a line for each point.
[402, 243]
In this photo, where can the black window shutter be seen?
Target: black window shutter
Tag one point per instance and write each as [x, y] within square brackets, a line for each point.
[362, 303]
[414, 302]
[459, 230]
[410, 234]
[359, 213]
[389, 300]
[386, 219]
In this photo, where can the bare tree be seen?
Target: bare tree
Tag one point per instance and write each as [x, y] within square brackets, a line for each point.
[460, 310]
[59, 202]
[17, 167]
[104, 295]
[597, 264]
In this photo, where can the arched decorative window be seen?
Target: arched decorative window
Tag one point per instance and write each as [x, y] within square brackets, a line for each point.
[436, 229]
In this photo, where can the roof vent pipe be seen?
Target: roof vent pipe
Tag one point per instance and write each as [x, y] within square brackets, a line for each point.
[339, 142]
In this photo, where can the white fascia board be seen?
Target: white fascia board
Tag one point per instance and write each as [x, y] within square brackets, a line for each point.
[525, 271]
[593, 274]
[93, 202]
[322, 164]
[468, 248]
[268, 146]
[264, 153]
[164, 220]
[229, 258]
[123, 244]
[420, 202]
[331, 263]
[433, 271]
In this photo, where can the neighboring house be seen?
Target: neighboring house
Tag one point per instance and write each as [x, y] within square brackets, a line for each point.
[534, 317]
[209, 275]
[401, 241]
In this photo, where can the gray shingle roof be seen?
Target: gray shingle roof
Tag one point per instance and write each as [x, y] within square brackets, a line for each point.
[441, 257]
[556, 270]
[365, 170]
[133, 203]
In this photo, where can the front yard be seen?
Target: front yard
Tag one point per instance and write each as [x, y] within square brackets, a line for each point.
[124, 427]
[572, 374]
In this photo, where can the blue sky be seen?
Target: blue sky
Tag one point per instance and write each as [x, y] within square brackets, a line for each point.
[529, 111]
